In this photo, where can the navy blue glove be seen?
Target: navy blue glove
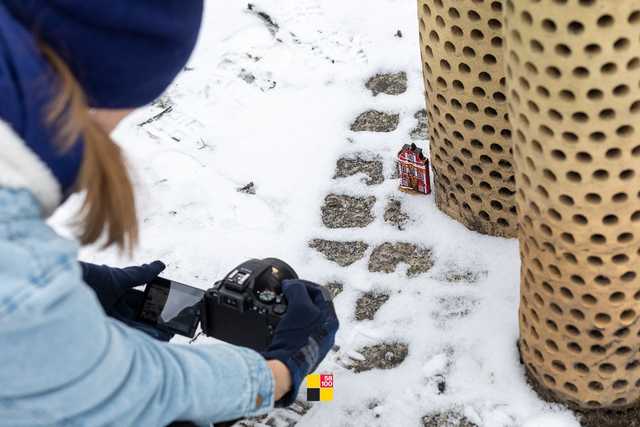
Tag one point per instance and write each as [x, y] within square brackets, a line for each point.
[305, 333]
[114, 289]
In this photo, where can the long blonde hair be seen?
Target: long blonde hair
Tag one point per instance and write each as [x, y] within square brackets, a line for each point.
[109, 204]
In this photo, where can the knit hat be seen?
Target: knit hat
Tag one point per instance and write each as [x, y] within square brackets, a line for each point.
[123, 53]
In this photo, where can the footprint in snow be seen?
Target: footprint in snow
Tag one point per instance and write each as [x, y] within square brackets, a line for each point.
[452, 308]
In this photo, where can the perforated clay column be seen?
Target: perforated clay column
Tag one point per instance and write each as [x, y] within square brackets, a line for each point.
[462, 45]
[573, 68]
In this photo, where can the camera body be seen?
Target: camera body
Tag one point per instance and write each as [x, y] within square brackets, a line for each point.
[243, 309]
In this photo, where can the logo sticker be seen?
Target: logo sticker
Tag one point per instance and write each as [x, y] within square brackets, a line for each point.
[319, 387]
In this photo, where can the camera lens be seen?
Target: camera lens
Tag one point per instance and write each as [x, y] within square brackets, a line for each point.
[280, 269]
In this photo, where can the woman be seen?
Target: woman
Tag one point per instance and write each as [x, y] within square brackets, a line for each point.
[63, 360]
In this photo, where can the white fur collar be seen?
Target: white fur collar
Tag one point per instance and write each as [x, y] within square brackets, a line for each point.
[21, 168]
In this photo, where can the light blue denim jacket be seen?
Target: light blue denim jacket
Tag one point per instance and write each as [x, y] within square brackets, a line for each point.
[63, 362]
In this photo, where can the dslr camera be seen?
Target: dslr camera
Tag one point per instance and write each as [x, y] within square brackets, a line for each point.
[243, 308]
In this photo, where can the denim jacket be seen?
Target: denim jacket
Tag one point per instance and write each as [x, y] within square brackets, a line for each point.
[63, 362]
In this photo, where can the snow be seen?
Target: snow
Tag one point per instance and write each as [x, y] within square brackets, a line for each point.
[435, 365]
[275, 109]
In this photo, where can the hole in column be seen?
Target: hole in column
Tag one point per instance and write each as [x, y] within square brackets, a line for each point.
[625, 237]
[572, 330]
[602, 319]
[632, 366]
[581, 367]
[617, 297]
[628, 276]
[605, 21]
[595, 94]
[473, 15]
[494, 24]
[457, 31]
[621, 333]
[620, 384]
[563, 50]
[576, 314]
[551, 345]
[627, 174]
[574, 347]
[581, 72]
[595, 260]
[609, 68]
[627, 315]
[607, 368]
[600, 175]
[593, 198]
[597, 136]
[549, 25]
[596, 386]
[464, 68]
[623, 350]
[580, 219]
[592, 49]
[575, 27]
[567, 95]
[566, 200]
[536, 46]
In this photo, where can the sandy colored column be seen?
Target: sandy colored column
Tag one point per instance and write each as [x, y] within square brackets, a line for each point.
[573, 72]
[462, 45]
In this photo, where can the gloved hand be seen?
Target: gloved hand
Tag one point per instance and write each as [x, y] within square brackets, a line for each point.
[305, 333]
[114, 289]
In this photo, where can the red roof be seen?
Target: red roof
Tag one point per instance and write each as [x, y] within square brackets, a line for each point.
[413, 148]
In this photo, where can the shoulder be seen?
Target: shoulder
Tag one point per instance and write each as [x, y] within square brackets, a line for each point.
[34, 260]
[22, 168]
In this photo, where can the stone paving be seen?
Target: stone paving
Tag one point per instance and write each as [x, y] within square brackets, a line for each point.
[369, 303]
[335, 288]
[394, 215]
[380, 356]
[420, 131]
[448, 419]
[342, 253]
[386, 257]
[376, 121]
[373, 169]
[390, 84]
[357, 212]
[342, 211]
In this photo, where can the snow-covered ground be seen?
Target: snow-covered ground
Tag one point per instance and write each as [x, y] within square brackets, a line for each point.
[271, 101]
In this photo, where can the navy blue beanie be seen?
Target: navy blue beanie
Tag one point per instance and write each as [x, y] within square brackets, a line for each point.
[124, 53]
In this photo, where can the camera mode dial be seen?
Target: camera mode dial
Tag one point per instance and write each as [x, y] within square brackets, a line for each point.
[267, 296]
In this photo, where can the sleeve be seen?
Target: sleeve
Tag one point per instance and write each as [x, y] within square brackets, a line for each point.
[84, 368]
[202, 383]
[208, 383]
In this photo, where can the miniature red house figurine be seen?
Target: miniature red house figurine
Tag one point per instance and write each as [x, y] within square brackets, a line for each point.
[413, 169]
